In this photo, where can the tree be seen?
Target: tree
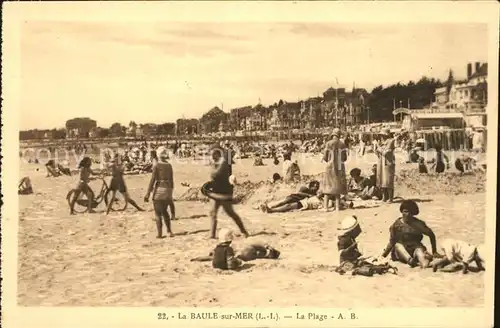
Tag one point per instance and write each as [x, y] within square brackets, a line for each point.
[116, 130]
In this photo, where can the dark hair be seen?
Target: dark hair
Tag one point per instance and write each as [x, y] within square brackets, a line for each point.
[86, 162]
[409, 205]
[153, 154]
[313, 183]
[355, 171]
[438, 148]
[276, 177]
[287, 156]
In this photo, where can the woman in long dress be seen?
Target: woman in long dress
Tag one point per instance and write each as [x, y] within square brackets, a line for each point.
[334, 179]
[386, 165]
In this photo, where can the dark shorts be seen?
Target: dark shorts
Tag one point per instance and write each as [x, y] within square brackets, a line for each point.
[160, 207]
[118, 185]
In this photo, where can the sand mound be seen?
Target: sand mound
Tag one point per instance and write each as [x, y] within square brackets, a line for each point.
[408, 183]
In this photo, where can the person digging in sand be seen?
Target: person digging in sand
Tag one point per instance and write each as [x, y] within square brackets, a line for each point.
[406, 234]
[162, 185]
[350, 257]
[224, 256]
[458, 255]
[25, 187]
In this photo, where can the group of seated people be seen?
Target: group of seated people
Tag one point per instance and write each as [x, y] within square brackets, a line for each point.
[405, 245]
[440, 162]
[55, 170]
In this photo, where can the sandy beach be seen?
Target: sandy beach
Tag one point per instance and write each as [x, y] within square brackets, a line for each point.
[115, 260]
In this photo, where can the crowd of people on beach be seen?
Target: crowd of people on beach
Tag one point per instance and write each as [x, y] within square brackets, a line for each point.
[334, 191]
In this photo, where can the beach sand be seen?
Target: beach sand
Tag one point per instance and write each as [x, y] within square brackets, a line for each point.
[115, 260]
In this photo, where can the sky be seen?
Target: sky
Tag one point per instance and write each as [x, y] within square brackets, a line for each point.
[158, 72]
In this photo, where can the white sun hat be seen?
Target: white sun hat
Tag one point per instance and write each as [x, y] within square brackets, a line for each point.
[225, 235]
[348, 224]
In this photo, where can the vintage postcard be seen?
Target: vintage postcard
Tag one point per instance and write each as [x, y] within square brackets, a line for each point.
[249, 164]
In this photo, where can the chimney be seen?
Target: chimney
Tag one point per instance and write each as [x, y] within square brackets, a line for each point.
[469, 70]
[478, 65]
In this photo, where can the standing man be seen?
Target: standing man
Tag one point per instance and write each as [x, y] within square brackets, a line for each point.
[220, 185]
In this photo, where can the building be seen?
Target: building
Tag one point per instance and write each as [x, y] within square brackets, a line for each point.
[80, 127]
[423, 120]
[468, 96]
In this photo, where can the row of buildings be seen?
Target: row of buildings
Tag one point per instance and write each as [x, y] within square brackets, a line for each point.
[336, 107]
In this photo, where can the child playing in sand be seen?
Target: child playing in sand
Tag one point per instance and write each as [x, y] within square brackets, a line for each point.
[223, 256]
[459, 255]
[83, 184]
[350, 257]
[25, 187]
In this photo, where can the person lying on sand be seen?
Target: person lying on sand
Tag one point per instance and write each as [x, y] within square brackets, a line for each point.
[350, 257]
[224, 257]
[458, 255]
[25, 187]
[406, 234]
[304, 192]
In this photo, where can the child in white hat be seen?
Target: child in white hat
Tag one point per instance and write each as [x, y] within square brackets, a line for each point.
[347, 246]
[461, 253]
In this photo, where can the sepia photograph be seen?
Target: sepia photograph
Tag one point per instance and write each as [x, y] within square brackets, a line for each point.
[171, 159]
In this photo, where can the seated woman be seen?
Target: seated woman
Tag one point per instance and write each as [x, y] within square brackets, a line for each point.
[422, 167]
[258, 160]
[275, 178]
[304, 192]
[414, 157]
[364, 188]
[357, 183]
[438, 163]
[406, 234]
[52, 169]
[25, 187]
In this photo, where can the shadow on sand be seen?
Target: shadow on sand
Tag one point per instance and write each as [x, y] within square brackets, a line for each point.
[185, 233]
[263, 233]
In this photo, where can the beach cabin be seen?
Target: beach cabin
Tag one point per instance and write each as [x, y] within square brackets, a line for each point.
[427, 121]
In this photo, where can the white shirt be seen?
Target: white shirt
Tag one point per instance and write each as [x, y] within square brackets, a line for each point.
[287, 166]
[458, 251]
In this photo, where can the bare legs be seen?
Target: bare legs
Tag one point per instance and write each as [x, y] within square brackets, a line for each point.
[77, 193]
[419, 257]
[127, 198]
[327, 199]
[229, 209]
[161, 212]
